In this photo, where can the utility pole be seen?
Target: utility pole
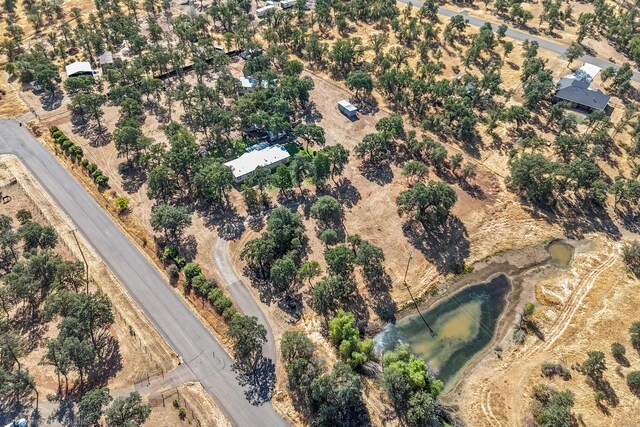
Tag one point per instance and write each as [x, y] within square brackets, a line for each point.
[433, 333]
[86, 264]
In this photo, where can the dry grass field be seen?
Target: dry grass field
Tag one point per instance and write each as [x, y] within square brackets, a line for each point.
[585, 308]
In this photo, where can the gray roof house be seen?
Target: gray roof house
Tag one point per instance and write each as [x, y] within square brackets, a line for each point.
[575, 89]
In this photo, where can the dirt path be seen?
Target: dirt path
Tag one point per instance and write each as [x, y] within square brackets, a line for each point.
[241, 294]
[514, 376]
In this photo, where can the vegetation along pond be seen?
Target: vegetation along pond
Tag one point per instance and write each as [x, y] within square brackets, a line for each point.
[464, 323]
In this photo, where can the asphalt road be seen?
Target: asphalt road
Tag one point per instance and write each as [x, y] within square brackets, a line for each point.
[522, 36]
[182, 329]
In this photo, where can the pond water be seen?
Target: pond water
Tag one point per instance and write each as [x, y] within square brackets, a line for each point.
[561, 253]
[464, 323]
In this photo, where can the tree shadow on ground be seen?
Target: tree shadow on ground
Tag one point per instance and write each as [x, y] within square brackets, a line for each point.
[446, 247]
[98, 136]
[311, 113]
[378, 174]
[229, 224]
[629, 219]
[367, 106]
[601, 384]
[64, 415]
[133, 176]
[577, 218]
[10, 410]
[380, 299]
[109, 365]
[346, 193]
[259, 381]
[51, 101]
[189, 247]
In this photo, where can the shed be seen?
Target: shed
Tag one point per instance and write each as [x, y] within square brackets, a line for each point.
[244, 166]
[78, 69]
[287, 4]
[347, 109]
[106, 58]
[262, 11]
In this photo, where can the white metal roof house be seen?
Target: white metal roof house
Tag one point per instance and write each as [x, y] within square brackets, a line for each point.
[78, 69]
[244, 166]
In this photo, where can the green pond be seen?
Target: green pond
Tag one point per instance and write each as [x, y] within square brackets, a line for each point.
[464, 322]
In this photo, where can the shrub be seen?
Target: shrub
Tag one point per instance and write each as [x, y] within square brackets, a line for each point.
[214, 295]
[57, 134]
[54, 129]
[192, 270]
[550, 369]
[173, 271]
[618, 351]
[182, 413]
[85, 163]
[222, 304]
[92, 167]
[102, 181]
[122, 203]
[229, 313]
[634, 332]
[176, 404]
[633, 381]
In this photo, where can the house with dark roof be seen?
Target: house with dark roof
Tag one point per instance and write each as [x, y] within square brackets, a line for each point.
[575, 89]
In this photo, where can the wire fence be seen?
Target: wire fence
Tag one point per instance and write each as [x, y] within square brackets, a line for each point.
[176, 399]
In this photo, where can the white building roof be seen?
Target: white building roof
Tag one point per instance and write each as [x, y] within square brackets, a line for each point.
[106, 58]
[587, 71]
[347, 105]
[78, 68]
[248, 162]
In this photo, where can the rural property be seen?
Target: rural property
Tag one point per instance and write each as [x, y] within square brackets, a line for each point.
[319, 213]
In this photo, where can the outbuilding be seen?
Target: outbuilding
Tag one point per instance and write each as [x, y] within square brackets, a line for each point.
[287, 4]
[347, 109]
[245, 166]
[262, 11]
[78, 69]
[106, 58]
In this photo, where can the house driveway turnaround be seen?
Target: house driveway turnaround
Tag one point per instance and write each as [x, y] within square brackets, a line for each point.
[244, 404]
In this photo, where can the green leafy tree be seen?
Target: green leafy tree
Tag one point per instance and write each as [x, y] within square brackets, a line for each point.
[171, 220]
[338, 159]
[430, 204]
[309, 270]
[127, 411]
[335, 397]
[248, 336]
[327, 210]
[90, 407]
[346, 337]
[295, 345]
[340, 260]
[283, 275]
[595, 365]
[360, 82]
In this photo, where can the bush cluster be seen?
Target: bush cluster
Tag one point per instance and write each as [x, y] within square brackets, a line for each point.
[74, 151]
